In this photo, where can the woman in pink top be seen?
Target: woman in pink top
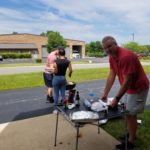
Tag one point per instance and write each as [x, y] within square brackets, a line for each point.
[48, 74]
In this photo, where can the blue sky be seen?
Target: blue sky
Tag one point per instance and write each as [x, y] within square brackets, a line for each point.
[87, 20]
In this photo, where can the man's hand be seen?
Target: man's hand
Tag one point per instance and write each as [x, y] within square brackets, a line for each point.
[104, 98]
[70, 74]
[114, 103]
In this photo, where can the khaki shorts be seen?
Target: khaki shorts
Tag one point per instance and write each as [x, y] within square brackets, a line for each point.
[135, 103]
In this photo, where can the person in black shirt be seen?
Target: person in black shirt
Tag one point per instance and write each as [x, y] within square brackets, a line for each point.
[59, 79]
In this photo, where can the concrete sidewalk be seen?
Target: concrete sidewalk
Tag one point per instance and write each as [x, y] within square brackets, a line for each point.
[38, 134]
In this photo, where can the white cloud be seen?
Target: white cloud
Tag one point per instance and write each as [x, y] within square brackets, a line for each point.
[10, 13]
[84, 20]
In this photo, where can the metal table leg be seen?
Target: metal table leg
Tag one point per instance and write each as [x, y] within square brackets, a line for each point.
[126, 127]
[56, 128]
[77, 136]
[126, 131]
[98, 127]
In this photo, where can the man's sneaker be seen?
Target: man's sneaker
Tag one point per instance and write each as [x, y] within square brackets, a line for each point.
[55, 111]
[122, 146]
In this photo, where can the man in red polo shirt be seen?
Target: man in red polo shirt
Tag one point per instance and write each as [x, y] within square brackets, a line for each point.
[134, 84]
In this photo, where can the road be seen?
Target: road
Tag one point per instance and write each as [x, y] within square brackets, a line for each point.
[26, 103]
[28, 69]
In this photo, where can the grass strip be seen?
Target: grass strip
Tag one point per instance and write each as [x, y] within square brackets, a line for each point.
[29, 80]
[116, 127]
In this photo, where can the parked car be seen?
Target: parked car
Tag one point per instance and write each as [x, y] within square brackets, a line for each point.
[75, 54]
[1, 58]
[141, 55]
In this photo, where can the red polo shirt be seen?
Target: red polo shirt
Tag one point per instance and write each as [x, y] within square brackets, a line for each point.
[127, 63]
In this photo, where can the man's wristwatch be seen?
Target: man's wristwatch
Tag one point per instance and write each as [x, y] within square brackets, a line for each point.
[118, 98]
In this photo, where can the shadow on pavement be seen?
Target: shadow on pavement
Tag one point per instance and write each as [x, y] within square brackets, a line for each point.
[34, 113]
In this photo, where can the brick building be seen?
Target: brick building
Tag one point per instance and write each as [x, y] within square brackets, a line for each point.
[36, 45]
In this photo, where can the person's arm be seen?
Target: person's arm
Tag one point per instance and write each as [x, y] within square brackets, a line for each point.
[55, 68]
[109, 83]
[122, 90]
[70, 69]
[47, 66]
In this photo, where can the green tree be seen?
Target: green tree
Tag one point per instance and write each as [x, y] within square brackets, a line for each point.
[46, 33]
[94, 48]
[134, 46]
[55, 40]
[15, 32]
[43, 34]
[148, 47]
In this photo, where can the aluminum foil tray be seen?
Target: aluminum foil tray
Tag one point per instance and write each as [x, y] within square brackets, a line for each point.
[84, 116]
[98, 106]
[108, 102]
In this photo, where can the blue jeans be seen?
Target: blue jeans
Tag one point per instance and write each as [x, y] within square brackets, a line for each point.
[59, 86]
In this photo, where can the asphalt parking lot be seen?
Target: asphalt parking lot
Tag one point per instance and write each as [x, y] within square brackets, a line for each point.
[27, 103]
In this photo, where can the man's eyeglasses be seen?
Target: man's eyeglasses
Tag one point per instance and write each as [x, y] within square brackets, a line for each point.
[109, 46]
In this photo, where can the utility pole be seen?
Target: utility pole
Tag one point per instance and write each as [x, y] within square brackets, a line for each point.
[132, 36]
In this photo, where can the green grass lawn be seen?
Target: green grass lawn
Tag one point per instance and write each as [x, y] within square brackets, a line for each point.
[145, 60]
[9, 82]
[116, 127]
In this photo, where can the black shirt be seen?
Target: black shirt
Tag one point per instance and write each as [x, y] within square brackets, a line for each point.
[62, 65]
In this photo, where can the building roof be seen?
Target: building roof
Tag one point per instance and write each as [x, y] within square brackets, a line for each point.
[18, 46]
[36, 35]
[21, 34]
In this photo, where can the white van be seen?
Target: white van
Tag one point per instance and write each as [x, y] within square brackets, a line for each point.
[76, 54]
[1, 58]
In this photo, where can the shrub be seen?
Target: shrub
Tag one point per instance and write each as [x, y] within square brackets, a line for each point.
[96, 54]
[16, 55]
[38, 60]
